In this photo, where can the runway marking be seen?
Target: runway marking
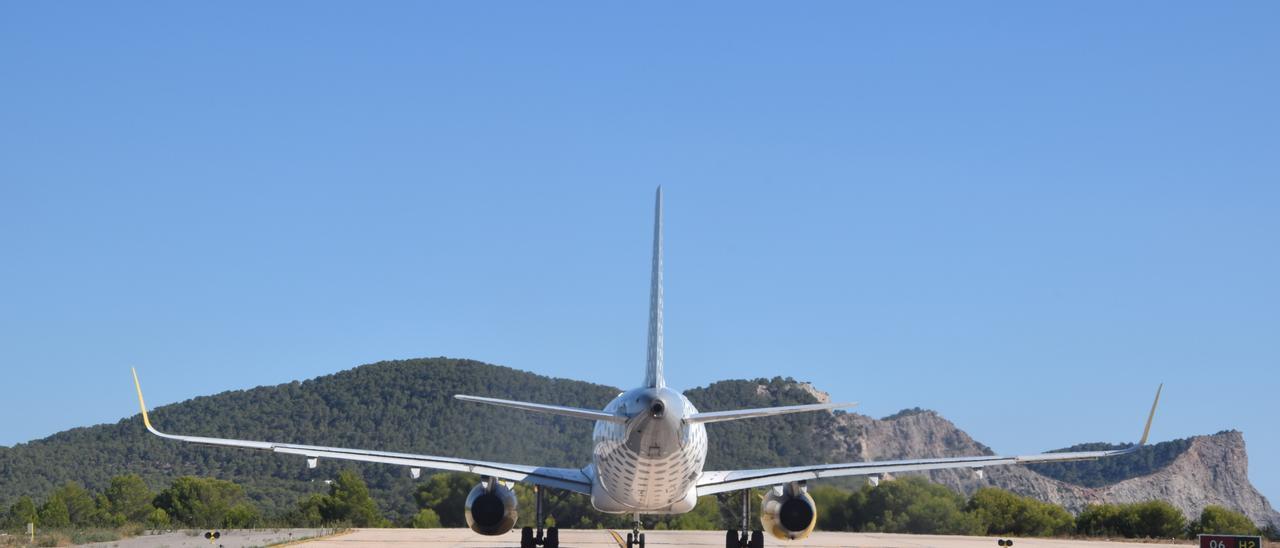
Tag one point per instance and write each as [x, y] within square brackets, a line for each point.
[618, 538]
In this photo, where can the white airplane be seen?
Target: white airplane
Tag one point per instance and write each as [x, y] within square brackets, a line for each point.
[650, 445]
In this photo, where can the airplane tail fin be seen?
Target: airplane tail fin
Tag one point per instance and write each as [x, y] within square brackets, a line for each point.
[653, 368]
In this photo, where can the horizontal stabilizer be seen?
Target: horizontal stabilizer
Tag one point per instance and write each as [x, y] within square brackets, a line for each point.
[550, 409]
[736, 414]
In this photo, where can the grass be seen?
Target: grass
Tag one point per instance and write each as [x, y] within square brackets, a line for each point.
[70, 536]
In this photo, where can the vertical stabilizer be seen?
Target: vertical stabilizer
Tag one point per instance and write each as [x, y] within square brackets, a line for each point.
[653, 368]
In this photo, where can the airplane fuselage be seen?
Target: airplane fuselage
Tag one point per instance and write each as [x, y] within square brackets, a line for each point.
[651, 463]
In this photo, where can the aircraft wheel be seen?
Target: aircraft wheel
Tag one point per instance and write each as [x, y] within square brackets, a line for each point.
[641, 540]
[731, 539]
[631, 540]
[526, 538]
[757, 539]
[553, 538]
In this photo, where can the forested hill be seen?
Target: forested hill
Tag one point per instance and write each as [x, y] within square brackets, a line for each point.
[403, 406]
[408, 406]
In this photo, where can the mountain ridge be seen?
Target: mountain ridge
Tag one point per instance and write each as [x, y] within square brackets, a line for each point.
[407, 405]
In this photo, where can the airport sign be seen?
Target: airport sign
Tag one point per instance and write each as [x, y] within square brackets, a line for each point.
[1230, 541]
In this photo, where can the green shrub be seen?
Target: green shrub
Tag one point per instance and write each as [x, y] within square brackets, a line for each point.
[1151, 519]
[1000, 512]
[1217, 519]
[199, 502]
[158, 519]
[426, 519]
[909, 505]
[832, 507]
[348, 502]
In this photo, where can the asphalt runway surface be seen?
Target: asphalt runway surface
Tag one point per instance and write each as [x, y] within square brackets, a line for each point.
[603, 538]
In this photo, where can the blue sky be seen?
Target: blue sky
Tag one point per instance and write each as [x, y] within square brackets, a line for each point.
[1023, 215]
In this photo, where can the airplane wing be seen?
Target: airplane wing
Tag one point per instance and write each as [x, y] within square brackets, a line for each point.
[732, 480]
[571, 479]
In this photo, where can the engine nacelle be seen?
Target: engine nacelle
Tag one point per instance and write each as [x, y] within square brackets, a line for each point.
[491, 508]
[789, 513]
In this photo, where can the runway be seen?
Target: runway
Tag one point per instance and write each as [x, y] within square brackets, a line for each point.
[603, 538]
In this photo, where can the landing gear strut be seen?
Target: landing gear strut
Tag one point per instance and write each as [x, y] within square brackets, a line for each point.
[551, 538]
[745, 537]
[635, 539]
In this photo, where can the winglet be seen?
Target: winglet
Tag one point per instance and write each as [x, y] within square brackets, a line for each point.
[145, 419]
[1147, 431]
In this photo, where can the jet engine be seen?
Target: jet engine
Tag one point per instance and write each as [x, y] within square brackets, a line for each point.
[491, 508]
[789, 513]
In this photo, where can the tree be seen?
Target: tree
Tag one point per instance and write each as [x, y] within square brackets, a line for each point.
[128, 499]
[348, 502]
[1159, 519]
[938, 515]
[1216, 519]
[309, 512]
[426, 519]
[909, 505]
[82, 511]
[832, 507]
[1101, 520]
[199, 502]
[53, 513]
[69, 505]
[996, 509]
[1000, 512]
[157, 519]
[446, 495]
[1151, 519]
[242, 516]
[21, 513]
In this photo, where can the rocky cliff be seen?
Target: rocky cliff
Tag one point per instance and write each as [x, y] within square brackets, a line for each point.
[1211, 470]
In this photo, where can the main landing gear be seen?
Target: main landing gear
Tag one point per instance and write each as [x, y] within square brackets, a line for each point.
[745, 537]
[635, 539]
[527, 537]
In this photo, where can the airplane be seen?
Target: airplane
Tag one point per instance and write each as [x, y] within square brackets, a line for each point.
[649, 448]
